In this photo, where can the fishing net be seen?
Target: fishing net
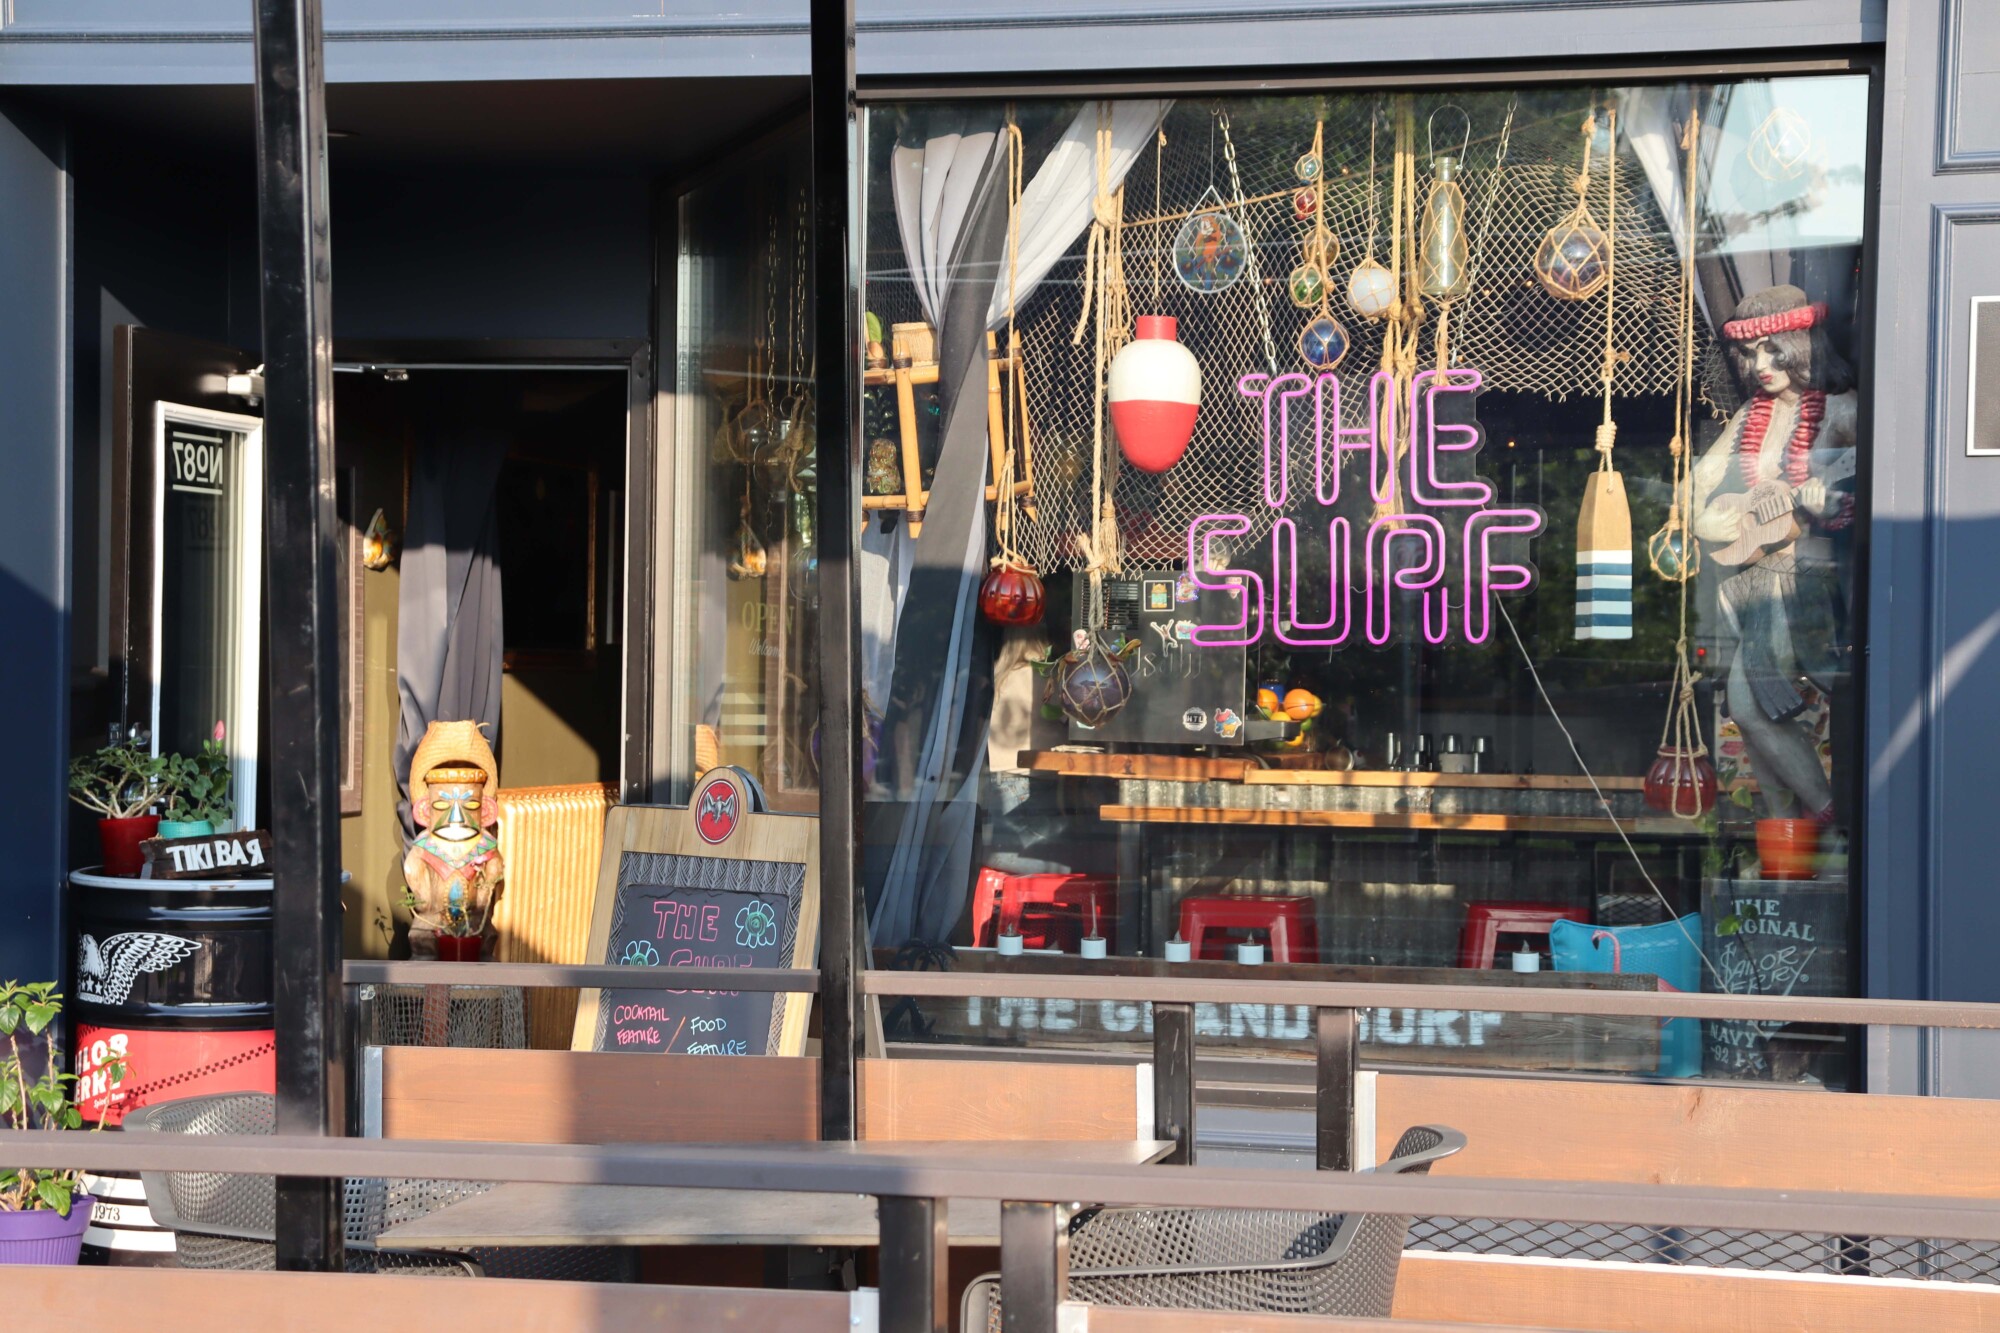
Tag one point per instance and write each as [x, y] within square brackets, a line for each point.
[1519, 337]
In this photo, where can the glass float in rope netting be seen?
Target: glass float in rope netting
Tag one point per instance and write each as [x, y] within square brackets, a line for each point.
[1210, 250]
[1089, 684]
[1307, 286]
[1323, 342]
[1572, 263]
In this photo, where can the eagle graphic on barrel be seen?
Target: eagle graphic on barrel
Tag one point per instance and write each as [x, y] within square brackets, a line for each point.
[105, 972]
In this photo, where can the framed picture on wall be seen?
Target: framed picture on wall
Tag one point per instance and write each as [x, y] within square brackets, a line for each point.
[1982, 408]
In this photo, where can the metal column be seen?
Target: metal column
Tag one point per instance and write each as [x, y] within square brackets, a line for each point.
[1173, 1080]
[1339, 1050]
[836, 322]
[915, 1243]
[300, 617]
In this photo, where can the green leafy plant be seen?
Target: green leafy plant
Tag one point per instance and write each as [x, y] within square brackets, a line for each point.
[198, 784]
[41, 1102]
[123, 780]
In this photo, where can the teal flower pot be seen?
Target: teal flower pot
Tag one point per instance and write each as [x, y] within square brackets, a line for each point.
[185, 828]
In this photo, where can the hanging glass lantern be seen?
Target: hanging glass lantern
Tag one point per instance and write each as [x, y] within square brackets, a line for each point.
[1442, 246]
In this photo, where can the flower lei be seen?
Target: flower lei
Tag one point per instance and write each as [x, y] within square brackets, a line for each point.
[1798, 450]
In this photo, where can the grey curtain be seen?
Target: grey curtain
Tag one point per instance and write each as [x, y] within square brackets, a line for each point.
[449, 631]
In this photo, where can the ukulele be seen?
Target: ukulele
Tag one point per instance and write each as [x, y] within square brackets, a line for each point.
[1768, 514]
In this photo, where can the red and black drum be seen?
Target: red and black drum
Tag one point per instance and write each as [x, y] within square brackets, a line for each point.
[173, 981]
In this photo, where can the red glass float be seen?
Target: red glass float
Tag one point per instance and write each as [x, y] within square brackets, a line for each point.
[1012, 594]
[1154, 385]
[1681, 782]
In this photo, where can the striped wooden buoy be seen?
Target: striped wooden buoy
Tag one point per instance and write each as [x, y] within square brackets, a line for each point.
[1604, 552]
[122, 1232]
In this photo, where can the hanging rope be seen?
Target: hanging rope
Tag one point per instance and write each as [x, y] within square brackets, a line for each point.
[1105, 296]
[1680, 734]
[1402, 334]
[1007, 510]
[1607, 429]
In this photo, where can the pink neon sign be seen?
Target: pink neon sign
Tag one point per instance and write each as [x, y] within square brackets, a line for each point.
[1450, 537]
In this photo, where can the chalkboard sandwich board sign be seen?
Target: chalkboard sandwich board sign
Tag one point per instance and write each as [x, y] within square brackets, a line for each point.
[210, 856]
[720, 884]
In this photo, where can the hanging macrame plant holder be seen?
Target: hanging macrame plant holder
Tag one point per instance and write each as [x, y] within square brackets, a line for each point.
[1604, 520]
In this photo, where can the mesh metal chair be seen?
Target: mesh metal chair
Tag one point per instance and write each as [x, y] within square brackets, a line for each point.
[1237, 1259]
[223, 1220]
[491, 1018]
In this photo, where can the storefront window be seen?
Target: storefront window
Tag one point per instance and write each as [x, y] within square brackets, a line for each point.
[742, 538]
[1400, 531]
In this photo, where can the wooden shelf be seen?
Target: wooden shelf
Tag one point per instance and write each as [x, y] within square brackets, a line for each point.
[1151, 767]
[1393, 821]
[1278, 777]
[1187, 768]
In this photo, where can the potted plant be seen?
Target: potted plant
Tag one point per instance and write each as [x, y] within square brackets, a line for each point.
[42, 1213]
[459, 936]
[198, 799]
[121, 782]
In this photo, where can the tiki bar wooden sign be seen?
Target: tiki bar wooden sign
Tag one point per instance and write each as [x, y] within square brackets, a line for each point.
[209, 856]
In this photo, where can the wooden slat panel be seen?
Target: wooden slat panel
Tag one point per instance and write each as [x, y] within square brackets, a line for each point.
[1659, 1298]
[1154, 767]
[551, 838]
[170, 1299]
[937, 1100]
[1520, 1129]
[605, 1097]
[596, 1097]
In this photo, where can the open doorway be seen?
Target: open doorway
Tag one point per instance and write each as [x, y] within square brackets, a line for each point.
[525, 465]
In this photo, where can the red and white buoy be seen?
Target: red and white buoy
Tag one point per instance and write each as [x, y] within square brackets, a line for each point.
[1155, 390]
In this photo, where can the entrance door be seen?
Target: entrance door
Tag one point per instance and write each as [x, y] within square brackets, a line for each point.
[187, 631]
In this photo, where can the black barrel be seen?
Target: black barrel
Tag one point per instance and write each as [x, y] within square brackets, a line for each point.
[173, 978]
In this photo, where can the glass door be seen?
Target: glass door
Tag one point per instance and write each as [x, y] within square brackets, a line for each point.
[208, 471]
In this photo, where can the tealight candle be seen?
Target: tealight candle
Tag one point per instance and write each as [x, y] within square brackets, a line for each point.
[1249, 953]
[1178, 950]
[1009, 944]
[1093, 946]
[1527, 960]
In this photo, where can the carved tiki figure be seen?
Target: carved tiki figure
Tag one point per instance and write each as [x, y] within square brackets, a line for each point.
[453, 869]
[1773, 502]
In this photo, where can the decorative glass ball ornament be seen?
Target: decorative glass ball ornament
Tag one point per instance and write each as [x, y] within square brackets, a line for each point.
[1573, 262]
[1675, 556]
[1681, 782]
[1323, 342]
[1089, 684]
[1307, 286]
[1210, 252]
[884, 474]
[1012, 595]
[1371, 290]
[1305, 203]
[1307, 168]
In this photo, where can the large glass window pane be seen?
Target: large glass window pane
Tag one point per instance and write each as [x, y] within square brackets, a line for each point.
[1443, 509]
[742, 536]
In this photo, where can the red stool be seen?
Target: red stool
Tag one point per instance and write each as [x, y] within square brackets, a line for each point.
[1289, 924]
[1049, 911]
[1485, 923]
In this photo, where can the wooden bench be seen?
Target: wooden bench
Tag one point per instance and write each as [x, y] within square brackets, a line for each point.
[1708, 1135]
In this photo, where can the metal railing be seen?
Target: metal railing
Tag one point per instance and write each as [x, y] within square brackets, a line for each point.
[912, 1190]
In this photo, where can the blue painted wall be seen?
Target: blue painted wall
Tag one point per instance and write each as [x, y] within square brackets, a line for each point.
[34, 555]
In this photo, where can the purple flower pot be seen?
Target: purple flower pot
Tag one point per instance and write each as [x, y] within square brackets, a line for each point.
[43, 1236]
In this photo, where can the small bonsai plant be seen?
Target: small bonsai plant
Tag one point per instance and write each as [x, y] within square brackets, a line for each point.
[197, 785]
[123, 780]
[42, 1102]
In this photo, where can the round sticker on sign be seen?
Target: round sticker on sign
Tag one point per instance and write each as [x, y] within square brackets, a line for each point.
[718, 808]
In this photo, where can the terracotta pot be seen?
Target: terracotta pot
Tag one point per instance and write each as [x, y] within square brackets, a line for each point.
[43, 1236]
[120, 839]
[1680, 783]
[458, 948]
[1788, 848]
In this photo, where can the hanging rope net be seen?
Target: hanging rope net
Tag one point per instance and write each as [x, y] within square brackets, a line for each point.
[1520, 337]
